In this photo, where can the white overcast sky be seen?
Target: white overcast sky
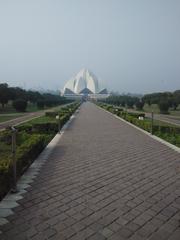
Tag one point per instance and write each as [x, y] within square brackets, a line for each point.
[131, 45]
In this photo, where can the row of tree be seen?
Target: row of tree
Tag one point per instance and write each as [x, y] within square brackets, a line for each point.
[164, 100]
[172, 99]
[122, 100]
[20, 98]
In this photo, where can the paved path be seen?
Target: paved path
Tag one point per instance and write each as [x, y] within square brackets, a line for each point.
[104, 180]
[21, 119]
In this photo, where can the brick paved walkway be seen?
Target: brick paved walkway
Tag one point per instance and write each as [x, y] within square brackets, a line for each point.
[104, 180]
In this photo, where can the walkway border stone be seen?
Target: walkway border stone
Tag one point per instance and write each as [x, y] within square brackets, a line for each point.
[175, 148]
[10, 200]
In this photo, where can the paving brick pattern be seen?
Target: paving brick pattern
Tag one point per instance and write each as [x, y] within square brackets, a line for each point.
[104, 180]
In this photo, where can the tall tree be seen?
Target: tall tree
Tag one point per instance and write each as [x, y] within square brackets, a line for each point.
[4, 94]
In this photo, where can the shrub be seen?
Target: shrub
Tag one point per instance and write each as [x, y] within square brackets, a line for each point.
[20, 105]
[51, 114]
[24, 127]
[136, 115]
[40, 104]
[163, 106]
[25, 155]
[47, 127]
[139, 105]
[28, 151]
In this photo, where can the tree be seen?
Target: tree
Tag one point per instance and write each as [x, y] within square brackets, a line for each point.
[4, 94]
[163, 106]
[20, 105]
[176, 99]
[123, 103]
[40, 104]
[130, 103]
[139, 105]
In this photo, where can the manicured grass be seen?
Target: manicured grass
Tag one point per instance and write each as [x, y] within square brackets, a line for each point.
[159, 123]
[42, 119]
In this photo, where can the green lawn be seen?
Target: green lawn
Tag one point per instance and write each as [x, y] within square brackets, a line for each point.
[42, 119]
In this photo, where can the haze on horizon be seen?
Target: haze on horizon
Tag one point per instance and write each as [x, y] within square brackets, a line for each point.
[131, 46]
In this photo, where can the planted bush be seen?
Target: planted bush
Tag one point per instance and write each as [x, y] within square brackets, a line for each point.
[51, 114]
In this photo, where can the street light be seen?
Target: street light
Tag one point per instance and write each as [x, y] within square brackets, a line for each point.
[59, 123]
[14, 185]
[152, 122]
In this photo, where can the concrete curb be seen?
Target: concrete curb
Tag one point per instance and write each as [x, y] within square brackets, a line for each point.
[10, 200]
[177, 149]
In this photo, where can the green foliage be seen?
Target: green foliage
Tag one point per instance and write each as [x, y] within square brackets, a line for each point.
[136, 115]
[139, 105]
[20, 105]
[26, 152]
[40, 100]
[171, 98]
[48, 127]
[4, 94]
[163, 106]
[122, 100]
[29, 150]
[40, 104]
[51, 114]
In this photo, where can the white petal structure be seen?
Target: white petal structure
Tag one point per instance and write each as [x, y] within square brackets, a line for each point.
[84, 83]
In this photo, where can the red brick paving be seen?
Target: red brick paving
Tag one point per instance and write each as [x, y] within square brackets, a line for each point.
[104, 180]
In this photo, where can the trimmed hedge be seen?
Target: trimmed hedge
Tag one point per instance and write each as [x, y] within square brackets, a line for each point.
[25, 155]
[51, 114]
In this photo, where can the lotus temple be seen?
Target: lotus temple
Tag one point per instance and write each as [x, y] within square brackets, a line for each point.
[84, 85]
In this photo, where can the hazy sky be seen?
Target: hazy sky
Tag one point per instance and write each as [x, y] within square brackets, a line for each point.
[131, 45]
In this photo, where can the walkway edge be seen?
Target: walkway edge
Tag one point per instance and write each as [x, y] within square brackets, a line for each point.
[177, 149]
[10, 200]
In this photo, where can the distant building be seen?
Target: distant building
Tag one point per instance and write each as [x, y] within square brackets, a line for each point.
[84, 85]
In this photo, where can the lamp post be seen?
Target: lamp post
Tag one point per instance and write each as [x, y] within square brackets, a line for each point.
[152, 120]
[59, 123]
[14, 185]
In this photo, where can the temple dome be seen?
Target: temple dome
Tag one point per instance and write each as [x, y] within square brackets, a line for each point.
[84, 82]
